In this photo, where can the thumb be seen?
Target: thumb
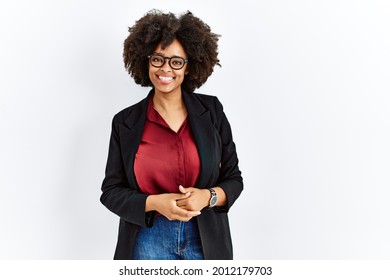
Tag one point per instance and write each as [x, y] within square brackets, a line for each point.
[183, 189]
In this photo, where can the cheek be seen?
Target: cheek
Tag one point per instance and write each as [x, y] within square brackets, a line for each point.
[151, 73]
[152, 77]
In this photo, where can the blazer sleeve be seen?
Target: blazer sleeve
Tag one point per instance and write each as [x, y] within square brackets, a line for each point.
[230, 179]
[118, 195]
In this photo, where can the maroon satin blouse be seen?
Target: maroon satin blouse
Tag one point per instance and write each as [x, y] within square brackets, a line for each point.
[165, 159]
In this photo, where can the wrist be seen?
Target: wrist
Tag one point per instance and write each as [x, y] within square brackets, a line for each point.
[150, 204]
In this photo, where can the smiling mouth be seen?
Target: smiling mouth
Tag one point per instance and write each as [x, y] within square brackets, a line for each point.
[165, 79]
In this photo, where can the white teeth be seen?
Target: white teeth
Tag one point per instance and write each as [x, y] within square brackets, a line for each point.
[165, 78]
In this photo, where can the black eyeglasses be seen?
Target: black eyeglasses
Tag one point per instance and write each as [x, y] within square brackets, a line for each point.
[175, 62]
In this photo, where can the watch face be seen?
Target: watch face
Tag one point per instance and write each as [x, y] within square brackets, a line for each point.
[213, 201]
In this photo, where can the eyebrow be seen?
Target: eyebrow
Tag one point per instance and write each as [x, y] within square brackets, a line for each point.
[168, 56]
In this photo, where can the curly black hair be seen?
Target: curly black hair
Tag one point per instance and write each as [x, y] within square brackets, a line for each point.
[154, 28]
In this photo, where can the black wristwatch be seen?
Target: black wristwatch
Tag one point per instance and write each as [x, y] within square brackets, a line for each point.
[213, 199]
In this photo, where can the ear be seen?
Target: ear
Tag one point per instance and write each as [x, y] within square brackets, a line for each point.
[187, 70]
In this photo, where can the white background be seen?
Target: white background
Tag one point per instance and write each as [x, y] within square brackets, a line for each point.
[305, 85]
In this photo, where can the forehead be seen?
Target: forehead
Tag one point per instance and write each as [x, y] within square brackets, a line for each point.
[173, 49]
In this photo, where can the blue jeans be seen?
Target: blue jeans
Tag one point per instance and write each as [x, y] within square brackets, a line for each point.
[169, 240]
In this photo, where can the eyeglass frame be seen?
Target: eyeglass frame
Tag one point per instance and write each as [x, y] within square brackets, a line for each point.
[169, 60]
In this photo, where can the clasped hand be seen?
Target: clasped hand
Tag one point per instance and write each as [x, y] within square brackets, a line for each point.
[182, 206]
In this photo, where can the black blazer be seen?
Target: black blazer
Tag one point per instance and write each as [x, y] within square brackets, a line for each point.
[219, 167]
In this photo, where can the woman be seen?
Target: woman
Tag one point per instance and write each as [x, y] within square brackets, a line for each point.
[172, 170]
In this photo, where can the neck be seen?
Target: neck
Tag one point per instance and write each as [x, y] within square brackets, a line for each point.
[168, 102]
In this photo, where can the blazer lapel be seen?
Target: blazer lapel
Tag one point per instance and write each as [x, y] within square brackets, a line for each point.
[130, 137]
[203, 132]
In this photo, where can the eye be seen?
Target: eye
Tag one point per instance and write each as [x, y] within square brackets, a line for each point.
[157, 59]
[177, 61]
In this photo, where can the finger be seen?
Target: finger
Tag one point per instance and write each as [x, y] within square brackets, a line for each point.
[181, 213]
[180, 196]
[193, 213]
[184, 190]
[181, 203]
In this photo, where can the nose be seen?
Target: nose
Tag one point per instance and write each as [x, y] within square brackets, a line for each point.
[166, 67]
